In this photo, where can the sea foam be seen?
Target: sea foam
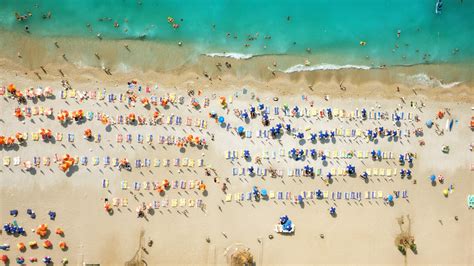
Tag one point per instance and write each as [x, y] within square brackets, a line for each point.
[425, 80]
[231, 55]
[303, 68]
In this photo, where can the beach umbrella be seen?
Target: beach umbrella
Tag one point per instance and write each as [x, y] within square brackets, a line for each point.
[300, 135]
[390, 198]
[333, 133]
[47, 244]
[263, 192]
[300, 199]
[288, 127]
[246, 153]
[245, 115]
[261, 106]
[433, 178]
[319, 194]
[329, 175]
[4, 259]
[379, 153]
[221, 119]
[251, 169]
[313, 152]
[445, 192]
[252, 109]
[20, 260]
[429, 123]
[373, 153]
[323, 157]
[62, 245]
[332, 210]
[240, 129]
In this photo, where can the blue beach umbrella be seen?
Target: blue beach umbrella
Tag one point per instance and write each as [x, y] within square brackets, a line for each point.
[221, 119]
[240, 129]
[433, 178]
[390, 198]
[263, 192]
[429, 123]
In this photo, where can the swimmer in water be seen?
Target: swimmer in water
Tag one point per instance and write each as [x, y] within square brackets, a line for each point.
[398, 33]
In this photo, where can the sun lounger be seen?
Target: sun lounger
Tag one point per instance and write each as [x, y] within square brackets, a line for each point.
[124, 185]
[35, 136]
[375, 172]
[124, 202]
[325, 194]
[174, 203]
[16, 160]
[6, 160]
[382, 172]
[404, 194]
[379, 194]
[70, 137]
[182, 202]
[228, 197]
[116, 202]
[367, 195]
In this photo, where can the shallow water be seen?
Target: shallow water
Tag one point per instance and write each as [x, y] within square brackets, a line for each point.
[331, 30]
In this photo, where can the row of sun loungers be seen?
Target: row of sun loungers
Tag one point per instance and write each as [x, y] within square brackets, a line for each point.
[164, 203]
[337, 154]
[298, 172]
[308, 195]
[108, 161]
[154, 185]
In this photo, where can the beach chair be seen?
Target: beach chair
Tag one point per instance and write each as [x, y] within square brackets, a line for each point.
[382, 172]
[46, 161]
[124, 202]
[35, 136]
[182, 202]
[280, 195]
[470, 201]
[333, 171]
[404, 194]
[164, 203]
[379, 194]
[6, 160]
[155, 204]
[105, 183]
[375, 172]
[70, 137]
[16, 160]
[389, 172]
[84, 160]
[174, 203]
[237, 197]
[191, 163]
[136, 185]
[394, 172]
[340, 172]
[271, 195]
[124, 185]
[338, 195]
[367, 195]
[325, 194]
[346, 195]
[228, 197]
[116, 202]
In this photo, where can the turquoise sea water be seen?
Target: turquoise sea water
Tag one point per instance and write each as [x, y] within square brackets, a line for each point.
[328, 27]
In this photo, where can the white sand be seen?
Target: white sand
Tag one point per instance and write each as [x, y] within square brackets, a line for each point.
[363, 232]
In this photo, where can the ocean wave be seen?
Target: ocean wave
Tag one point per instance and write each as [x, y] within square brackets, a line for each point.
[425, 80]
[302, 68]
[231, 55]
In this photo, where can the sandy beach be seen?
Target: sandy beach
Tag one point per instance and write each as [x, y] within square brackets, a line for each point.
[363, 232]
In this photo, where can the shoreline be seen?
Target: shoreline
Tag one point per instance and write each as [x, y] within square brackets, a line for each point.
[145, 56]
